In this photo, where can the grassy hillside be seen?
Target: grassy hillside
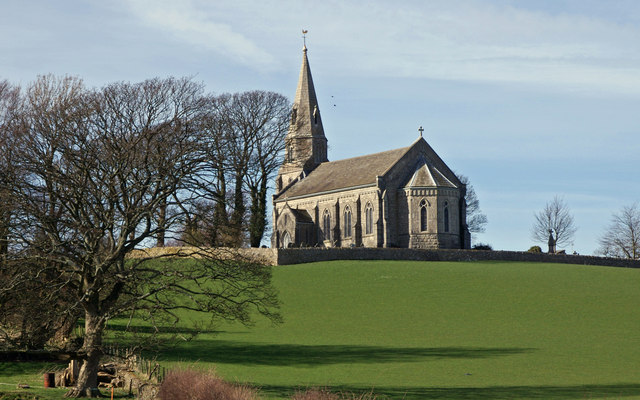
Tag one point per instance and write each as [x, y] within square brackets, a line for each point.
[437, 330]
[441, 330]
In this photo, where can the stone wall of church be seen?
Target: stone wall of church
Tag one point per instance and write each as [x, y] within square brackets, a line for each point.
[334, 205]
[400, 227]
[410, 232]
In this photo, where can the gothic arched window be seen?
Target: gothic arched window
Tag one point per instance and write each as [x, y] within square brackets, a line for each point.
[368, 219]
[423, 215]
[347, 222]
[446, 216]
[286, 240]
[326, 225]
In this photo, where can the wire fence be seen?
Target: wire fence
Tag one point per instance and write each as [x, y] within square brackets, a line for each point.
[149, 367]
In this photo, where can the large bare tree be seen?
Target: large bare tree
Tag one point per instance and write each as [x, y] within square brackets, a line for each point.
[555, 217]
[9, 118]
[96, 167]
[622, 237]
[476, 219]
[245, 137]
[270, 121]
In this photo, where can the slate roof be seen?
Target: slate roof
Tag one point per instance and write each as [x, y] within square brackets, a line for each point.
[427, 175]
[301, 215]
[343, 174]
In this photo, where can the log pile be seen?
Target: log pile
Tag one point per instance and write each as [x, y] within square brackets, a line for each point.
[110, 374]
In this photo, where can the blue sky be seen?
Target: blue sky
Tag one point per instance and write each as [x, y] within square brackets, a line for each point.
[529, 99]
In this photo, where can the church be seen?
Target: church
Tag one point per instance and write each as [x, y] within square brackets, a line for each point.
[406, 197]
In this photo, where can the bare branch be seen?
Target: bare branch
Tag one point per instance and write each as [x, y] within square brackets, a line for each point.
[555, 217]
[622, 237]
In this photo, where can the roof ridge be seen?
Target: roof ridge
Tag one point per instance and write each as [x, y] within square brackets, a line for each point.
[402, 155]
[367, 155]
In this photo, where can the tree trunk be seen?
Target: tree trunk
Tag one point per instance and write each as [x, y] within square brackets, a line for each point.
[254, 219]
[237, 216]
[4, 234]
[217, 231]
[87, 385]
[258, 218]
[162, 220]
[4, 243]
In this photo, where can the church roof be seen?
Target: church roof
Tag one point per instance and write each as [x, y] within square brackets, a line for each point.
[302, 215]
[347, 173]
[427, 175]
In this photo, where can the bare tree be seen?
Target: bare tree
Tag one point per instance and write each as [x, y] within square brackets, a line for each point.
[622, 237]
[208, 220]
[245, 138]
[476, 219]
[96, 166]
[557, 218]
[270, 122]
[9, 112]
[31, 313]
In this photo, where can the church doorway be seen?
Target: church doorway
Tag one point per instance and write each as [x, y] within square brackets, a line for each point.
[286, 240]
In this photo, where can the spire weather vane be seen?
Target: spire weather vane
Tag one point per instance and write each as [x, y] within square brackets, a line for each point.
[304, 37]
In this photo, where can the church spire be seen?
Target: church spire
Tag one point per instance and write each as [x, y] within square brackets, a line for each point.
[305, 144]
[305, 116]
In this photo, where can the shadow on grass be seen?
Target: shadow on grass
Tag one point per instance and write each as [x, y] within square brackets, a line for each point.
[148, 329]
[235, 352]
[613, 391]
[25, 368]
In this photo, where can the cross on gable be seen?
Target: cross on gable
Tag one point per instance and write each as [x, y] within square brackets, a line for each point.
[421, 129]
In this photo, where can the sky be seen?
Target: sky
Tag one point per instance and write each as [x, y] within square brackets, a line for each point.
[530, 99]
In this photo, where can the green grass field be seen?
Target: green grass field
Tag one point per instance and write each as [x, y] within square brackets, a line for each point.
[438, 330]
[441, 330]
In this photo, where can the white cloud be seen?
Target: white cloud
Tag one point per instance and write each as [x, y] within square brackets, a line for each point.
[468, 40]
[473, 41]
[197, 25]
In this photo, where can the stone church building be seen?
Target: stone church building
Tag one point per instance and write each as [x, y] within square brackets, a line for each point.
[406, 197]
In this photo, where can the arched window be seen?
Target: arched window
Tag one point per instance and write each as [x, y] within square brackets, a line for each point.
[286, 239]
[446, 216]
[290, 154]
[347, 222]
[294, 115]
[368, 219]
[423, 215]
[326, 225]
[315, 115]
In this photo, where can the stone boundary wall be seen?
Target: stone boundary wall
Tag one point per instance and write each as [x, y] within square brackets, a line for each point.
[264, 255]
[311, 254]
[307, 255]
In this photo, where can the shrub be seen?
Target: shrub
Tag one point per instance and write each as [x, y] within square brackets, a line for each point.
[482, 246]
[535, 249]
[189, 384]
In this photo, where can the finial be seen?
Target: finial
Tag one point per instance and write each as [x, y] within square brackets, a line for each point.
[304, 39]
[421, 129]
